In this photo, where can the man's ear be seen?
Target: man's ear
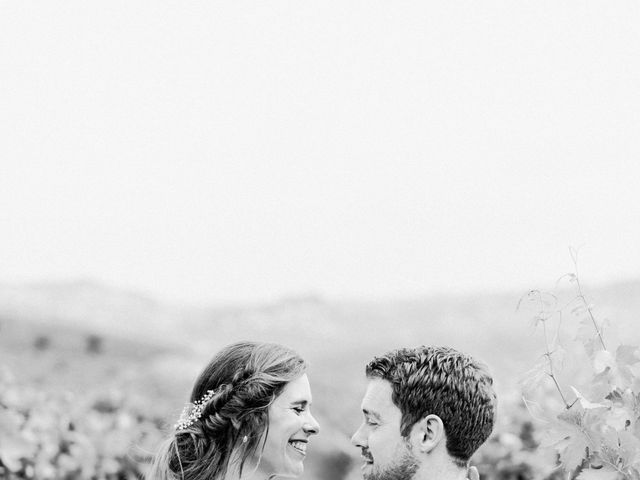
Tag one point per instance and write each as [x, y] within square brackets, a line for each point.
[427, 433]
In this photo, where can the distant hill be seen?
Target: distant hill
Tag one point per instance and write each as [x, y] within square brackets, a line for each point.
[90, 306]
[338, 337]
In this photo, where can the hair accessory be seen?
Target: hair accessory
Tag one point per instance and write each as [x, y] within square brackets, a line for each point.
[191, 414]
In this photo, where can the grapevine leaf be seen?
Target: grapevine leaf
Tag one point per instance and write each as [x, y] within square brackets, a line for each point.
[572, 417]
[605, 473]
[635, 428]
[629, 446]
[572, 448]
[603, 360]
[574, 452]
[533, 378]
[555, 436]
[535, 410]
[586, 404]
[609, 443]
[600, 386]
[588, 337]
[617, 418]
[627, 360]
[634, 371]
[615, 396]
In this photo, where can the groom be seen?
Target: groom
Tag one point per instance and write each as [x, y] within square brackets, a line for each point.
[426, 411]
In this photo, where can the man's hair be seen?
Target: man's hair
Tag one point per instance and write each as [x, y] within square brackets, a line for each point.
[444, 382]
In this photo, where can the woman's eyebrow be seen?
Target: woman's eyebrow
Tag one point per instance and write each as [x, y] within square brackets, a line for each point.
[302, 403]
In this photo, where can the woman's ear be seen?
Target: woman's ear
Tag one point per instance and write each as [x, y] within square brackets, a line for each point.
[427, 433]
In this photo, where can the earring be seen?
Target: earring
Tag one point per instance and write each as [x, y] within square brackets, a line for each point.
[244, 439]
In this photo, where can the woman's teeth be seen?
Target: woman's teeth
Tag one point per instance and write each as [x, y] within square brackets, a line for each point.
[300, 446]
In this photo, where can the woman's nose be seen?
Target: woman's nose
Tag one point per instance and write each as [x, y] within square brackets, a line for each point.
[311, 426]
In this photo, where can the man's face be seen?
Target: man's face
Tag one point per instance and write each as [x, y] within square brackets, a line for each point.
[386, 454]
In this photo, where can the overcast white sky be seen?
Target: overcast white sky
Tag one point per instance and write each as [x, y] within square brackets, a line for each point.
[232, 151]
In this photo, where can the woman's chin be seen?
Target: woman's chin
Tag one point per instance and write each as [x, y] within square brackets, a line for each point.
[292, 473]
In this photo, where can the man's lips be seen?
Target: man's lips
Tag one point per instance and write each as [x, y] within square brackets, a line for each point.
[366, 456]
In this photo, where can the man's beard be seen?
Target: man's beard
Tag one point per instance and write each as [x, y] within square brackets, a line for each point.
[403, 468]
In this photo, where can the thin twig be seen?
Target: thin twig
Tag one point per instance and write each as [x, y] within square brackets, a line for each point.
[551, 374]
[574, 257]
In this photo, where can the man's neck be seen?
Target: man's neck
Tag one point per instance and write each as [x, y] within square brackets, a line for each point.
[445, 471]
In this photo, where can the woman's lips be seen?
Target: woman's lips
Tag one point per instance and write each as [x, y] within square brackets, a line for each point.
[299, 446]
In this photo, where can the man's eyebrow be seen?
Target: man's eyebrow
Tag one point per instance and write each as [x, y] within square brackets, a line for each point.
[302, 403]
[369, 413]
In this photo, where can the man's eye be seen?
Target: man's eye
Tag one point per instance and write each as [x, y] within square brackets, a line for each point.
[371, 423]
[299, 410]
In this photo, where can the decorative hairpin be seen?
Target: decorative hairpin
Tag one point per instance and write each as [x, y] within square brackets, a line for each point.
[191, 414]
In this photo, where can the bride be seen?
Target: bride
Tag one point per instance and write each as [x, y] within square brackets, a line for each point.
[249, 418]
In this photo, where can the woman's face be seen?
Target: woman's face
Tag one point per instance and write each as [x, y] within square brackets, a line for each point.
[290, 426]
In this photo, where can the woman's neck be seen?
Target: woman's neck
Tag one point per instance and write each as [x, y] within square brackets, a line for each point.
[251, 470]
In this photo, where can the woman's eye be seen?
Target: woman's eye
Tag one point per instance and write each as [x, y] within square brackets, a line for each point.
[299, 410]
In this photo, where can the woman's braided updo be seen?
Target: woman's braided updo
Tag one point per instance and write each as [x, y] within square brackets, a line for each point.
[245, 378]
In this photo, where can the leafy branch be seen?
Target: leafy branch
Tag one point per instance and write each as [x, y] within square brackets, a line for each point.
[542, 317]
[599, 439]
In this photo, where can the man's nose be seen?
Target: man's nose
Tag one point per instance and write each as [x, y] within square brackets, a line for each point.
[358, 439]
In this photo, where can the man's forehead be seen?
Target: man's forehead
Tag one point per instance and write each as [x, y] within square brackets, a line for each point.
[377, 397]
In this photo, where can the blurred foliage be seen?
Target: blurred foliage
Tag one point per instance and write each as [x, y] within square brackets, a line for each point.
[64, 436]
[42, 342]
[513, 453]
[94, 344]
[45, 435]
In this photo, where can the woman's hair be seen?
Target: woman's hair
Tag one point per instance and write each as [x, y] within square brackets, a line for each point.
[245, 378]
